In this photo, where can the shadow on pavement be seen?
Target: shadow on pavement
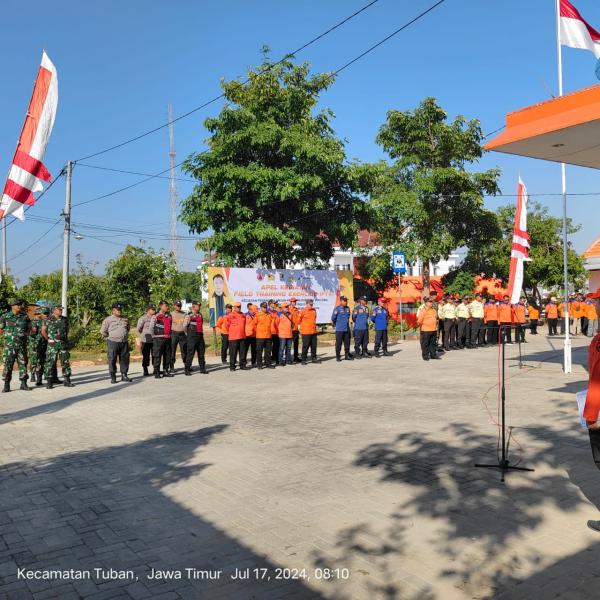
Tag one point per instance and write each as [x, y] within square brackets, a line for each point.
[111, 508]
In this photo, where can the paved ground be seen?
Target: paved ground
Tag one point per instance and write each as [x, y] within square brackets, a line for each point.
[356, 476]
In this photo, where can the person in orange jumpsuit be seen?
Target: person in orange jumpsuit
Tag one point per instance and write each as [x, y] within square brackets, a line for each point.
[236, 327]
[591, 410]
[490, 317]
[222, 329]
[295, 331]
[552, 316]
[428, 324]
[561, 315]
[520, 320]
[250, 341]
[505, 319]
[533, 312]
[264, 331]
[308, 328]
[576, 312]
[592, 317]
[284, 327]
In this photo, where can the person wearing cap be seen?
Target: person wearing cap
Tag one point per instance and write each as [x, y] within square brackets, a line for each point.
[295, 331]
[476, 313]
[427, 321]
[551, 315]
[115, 330]
[264, 331]
[160, 326]
[15, 325]
[380, 317]
[193, 326]
[440, 335]
[250, 341]
[274, 309]
[307, 322]
[520, 320]
[462, 319]
[506, 318]
[591, 315]
[448, 314]
[360, 319]
[341, 321]
[222, 329]
[533, 314]
[490, 311]
[56, 332]
[284, 326]
[144, 329]
[236, 327]
[561, 305]
[36, 345]
[177, 334]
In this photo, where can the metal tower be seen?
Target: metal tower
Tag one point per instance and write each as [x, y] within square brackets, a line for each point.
[172, 182]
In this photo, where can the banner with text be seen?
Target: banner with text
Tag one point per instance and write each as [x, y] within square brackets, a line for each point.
[227, 285]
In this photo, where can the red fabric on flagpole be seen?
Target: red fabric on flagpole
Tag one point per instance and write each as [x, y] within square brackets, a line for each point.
[567, 10]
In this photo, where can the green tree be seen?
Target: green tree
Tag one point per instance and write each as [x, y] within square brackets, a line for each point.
[274, 184]
[190, 284]
[462, 283]
[546, 251]
[138, 276]
[43, 287]
[427, 203]
[87, 295]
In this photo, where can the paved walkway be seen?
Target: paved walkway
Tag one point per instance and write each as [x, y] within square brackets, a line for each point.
[357, 477]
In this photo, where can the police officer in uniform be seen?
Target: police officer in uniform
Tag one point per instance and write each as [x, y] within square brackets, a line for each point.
[462, 318]
[16, 327]
[476, 314]
[380, 317]
[193, 327]
[56, 331]
[144, 328]
[36, 345]
[360, 318]
[160, 325]
[341, 320]
[178, 337]
[115, 330]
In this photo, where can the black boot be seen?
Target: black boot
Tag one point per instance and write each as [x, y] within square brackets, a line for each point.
[24, 385]
[187, 372]
[125, 378]
[203, 370]
[156, 374]
[6, 387]
[56, 380]
[146, 374]
[67, 382]
[49, 384]
[38, 380]
[168, 374]
[338, 358]
[349, 357]
[113, 378]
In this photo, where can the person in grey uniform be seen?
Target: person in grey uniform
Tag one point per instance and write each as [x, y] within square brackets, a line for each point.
[115, 330]
[144, 328]
[178, 337]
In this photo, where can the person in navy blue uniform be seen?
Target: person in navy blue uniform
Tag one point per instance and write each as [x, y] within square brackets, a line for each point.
[341, 320]
[360, 318]
[380, 317]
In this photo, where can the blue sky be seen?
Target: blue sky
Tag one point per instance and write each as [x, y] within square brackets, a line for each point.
[121, 63]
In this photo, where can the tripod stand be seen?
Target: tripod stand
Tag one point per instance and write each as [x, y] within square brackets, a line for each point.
[503, 463]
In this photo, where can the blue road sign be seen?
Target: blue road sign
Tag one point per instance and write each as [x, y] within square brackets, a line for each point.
[399, 262]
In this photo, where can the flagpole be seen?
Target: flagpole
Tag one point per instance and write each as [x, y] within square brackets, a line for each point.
[66, 239]
[563, 170]
[4, 259]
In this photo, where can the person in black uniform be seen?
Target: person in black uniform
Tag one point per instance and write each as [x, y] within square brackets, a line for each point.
[193, 327]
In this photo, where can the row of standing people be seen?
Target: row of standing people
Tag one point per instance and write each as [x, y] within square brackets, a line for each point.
[583, 316]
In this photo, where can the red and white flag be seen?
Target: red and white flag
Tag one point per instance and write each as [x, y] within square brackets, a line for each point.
[575, 31]
[520, 246]
[27, 170]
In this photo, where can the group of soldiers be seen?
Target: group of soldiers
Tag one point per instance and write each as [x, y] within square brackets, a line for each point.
[36, 345]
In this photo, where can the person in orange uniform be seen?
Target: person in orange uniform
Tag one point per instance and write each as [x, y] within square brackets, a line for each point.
[520, 320]
[264, 331]
[591, 410]
[576, 312]
[490, 318]
[552, 316]
[284, 327]
[295, 332]
[250, 341]
[428, 324]
[236, 327]
[561, 315]
[505, 320]
[533, 312]
[222, 329]
[307, 320]
[592, 317]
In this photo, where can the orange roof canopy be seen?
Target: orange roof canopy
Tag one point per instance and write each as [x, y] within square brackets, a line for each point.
[565, 129]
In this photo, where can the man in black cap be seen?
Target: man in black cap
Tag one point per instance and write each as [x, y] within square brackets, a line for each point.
[144, 328]
[193, 327]
[115, 330]
[360, 318]
[177, 334]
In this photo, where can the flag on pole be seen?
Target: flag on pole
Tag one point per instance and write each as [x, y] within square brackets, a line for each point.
[575, 31]
[520, 246]
[27, 170]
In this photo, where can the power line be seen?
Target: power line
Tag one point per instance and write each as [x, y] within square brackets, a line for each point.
[222, 95]
[135, 173]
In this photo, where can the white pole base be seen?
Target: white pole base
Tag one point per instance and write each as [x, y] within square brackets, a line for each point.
[567, 356]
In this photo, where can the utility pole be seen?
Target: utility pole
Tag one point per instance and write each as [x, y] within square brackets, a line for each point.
[66, 238]
[172, 182]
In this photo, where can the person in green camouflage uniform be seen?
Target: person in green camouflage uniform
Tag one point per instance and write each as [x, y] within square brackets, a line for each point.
[56, 331]
[16, 327]
[37, 344]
